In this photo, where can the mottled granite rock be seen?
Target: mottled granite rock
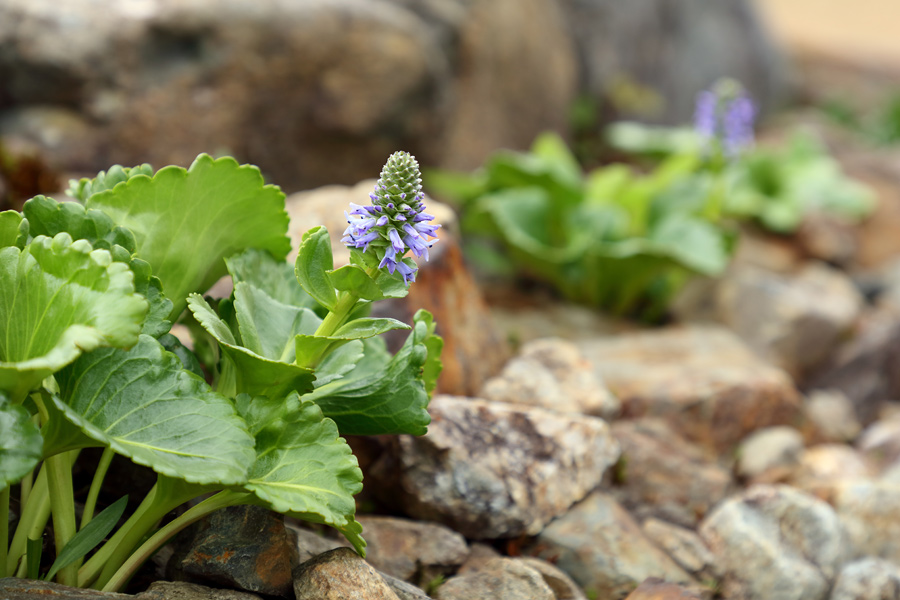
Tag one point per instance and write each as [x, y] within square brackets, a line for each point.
[701, 379]
[603, 549]
[868, 578]
[340, 574]
[497, 579]
[492, 470]
[685, 547]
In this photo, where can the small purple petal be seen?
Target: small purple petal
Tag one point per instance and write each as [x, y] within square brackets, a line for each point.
[396, 242]
[382, 221]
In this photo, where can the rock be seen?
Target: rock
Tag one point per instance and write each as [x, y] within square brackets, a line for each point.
[702, 380]
[473, 349]
[479, 553]
[58, 135]
[870, 510]
[654, 588]
[404, 590]
[552, 374]
[693, 44]
[777, 543]
[880, 442]
[832, 416]
[310, 544]
[240, 547]
[869, 578]
[562, 585]
[824, 467]
[313, 92]
[685, 547]
[662, 475]
[498, 579]
[793, 320]
[524, 319]
[827, 238]
[340, 574]
[13, 588]
[180, 590]
[602, 548]
[490, 470]
[769, 450]
[410, 550]
[508, 111]
[866, 368]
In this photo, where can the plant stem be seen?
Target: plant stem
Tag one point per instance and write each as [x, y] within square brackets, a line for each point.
[213, 503]
[25, 488]
[334, 319]
[31, 522]
[4, 529]
[62, 505]
[91, 502]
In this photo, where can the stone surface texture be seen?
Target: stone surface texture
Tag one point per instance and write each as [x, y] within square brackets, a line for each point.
[240, 547]
[602, 548]
[552, 374]
[340, 574]
[776, 542]
[564, 588]
[685, 547]
[870, 511]
[793, 320]
[654, 588]
[770, 449]
[181, 590]
[701, 379]
[831, 414]
[497, 579]
[661, 474]
[868, 579]
[411, 550]
[491, 470]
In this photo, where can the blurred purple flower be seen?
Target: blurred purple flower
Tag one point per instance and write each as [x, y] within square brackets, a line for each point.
[724, 116]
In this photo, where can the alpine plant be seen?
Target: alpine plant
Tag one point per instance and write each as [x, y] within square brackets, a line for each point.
[396, 221]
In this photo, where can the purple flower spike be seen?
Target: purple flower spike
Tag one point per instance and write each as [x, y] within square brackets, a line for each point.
[724, 117]
[388, 229]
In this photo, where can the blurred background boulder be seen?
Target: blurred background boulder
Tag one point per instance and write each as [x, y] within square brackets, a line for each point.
[318, 92]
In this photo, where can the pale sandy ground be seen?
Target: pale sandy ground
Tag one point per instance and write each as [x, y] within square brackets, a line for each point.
[867, 30]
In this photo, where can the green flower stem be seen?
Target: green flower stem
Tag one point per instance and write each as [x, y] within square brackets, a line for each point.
[4, 529]
[32, 521]
[62, 506]
[333, 320]
[25, 487]
[213, 503]
[99, 474]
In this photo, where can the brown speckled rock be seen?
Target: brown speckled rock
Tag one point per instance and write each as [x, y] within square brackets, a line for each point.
[654, 588]
[492, 470]
[340, 574]
[498, 579]
[703, 380]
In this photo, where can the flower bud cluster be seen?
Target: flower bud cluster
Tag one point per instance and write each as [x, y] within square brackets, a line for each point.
[396, 220]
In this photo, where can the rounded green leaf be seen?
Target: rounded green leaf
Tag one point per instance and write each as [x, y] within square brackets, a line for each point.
[303, 466]
[186, 221]
[20, 442]
[314, 262]
[144, 405]
[61, 298]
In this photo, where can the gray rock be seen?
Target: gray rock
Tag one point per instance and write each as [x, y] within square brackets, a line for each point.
[654, 588]
[340, 574]
[552, 374]
[793, 320]
[13, 588]
[825, 467]
[880, 442]
[180, 590]
[686, 45]
[311, 544]
[492, 470]
[702, 380]
[239, 547]
[600, 546]
[777, 543]
[498, 579]
[562, 585]
[411, 550]
[870, 511]
[660, 474]
[772, 448]
[685, 547]
[404, 590]
[869, 578]
[866, 368]
[831, 413]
